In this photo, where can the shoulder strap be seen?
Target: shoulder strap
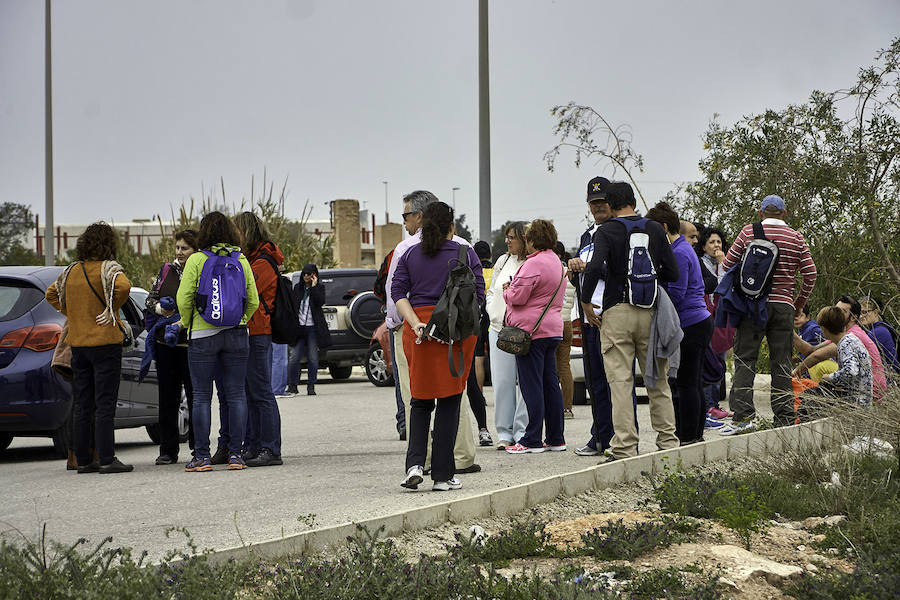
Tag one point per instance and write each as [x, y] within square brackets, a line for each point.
[463, 254]
[90, 285]
[269, 259]
[546, 308]
[759, 233]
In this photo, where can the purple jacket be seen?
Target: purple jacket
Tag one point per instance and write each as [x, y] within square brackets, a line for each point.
[422, 278]
[531, 289]
[687, 291]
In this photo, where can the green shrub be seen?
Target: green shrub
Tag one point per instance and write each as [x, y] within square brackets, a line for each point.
[670, 583]
[741, 511]
[522, 540]
[617, 541]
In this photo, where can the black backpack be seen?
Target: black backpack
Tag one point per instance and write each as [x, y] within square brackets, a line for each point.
[456, 315]
[378, 288]
[757, 269]
[284, 314]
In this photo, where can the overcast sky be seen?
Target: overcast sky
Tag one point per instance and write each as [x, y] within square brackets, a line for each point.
[154, 98]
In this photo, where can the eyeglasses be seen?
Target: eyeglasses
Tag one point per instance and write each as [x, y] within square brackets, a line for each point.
[407, 214]
[511, 238]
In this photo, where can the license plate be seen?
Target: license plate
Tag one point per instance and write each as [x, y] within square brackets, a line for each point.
[331, 320]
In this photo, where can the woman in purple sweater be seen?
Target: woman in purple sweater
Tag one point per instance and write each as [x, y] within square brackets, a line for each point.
[687, 296]
[538, 284]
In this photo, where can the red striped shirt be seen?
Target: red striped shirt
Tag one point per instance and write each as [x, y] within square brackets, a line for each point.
[793, 256]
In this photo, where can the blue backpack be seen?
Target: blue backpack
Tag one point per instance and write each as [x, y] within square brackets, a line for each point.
[757, 267]
[222, 290]
[640, 280]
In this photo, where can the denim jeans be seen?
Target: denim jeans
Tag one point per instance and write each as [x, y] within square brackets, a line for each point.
[543, 398]
[263, 421]
[401, 407]
[279, 368]
[223, 356]
[307, 345]
[510, 413]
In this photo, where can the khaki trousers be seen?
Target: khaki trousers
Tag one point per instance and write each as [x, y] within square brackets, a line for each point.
[563, 366]
[464, 450]
[624, 336]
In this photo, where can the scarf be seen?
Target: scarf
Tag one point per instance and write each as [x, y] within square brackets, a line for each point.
[109, 270]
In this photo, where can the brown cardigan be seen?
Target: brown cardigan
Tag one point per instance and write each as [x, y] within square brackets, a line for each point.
[82, 306]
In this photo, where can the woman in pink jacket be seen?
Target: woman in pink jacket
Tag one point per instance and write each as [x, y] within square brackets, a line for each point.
[534, 301]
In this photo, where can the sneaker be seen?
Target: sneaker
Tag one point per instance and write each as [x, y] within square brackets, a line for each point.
[236, 463]
[165, 459]
[717, 413]
[712, 423]
[520, 449]
[249, 454]
[292, 390]
[310, 390]
[568, 414]
[484, 438]
[607, 458]
[560, 448]
[116, 466]
[446, 486]
[220, 457]
[198, 465]
[737, 427]
[265, 458]
[413, 478]
[503, 444]
[93, 467]
[473, 468]
[586, 451]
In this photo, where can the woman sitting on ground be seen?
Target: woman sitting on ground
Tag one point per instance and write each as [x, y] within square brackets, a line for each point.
[418, 282]
[884, 335]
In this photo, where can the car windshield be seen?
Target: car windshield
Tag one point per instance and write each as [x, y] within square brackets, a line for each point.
[339, 289]
[17, 298]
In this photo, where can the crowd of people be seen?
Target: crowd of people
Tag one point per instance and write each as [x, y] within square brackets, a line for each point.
[656, 293]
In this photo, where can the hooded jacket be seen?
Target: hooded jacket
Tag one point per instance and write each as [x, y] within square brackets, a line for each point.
[266, 285]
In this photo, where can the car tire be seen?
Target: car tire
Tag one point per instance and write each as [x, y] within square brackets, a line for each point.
[5, 440]
[376, 367]
[580, 393]
[364, 314]
[340, 372]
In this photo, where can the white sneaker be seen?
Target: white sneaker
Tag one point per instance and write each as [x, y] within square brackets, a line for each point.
[413, 478]
[586, 451]
[445, 486]
[737, 427]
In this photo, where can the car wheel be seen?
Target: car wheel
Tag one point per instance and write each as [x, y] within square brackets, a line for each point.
[376, 367]
[184, 420]
[364, 314]
[340, 372]
[5, 440]
[580, 395]
[154, 433]
[60, 438]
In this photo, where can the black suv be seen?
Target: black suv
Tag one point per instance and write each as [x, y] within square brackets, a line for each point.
[352, 313]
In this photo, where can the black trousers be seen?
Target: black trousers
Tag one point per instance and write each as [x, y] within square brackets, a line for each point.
[476, 398]
[173, 374]
[95, 389]
[690, 404]
[446, 422]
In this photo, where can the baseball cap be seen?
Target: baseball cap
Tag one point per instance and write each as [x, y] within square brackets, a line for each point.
[596, 189]
[772, 201]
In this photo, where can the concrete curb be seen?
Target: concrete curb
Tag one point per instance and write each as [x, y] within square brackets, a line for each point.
[517, 498]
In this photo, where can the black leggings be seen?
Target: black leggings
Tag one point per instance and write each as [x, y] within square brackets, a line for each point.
[476, 398]
[446, 422]
[690, 413]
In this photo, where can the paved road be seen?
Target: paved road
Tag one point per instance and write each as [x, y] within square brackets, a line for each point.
[343, 462]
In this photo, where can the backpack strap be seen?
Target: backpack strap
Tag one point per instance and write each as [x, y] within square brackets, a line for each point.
[271, 260]
[759, 232]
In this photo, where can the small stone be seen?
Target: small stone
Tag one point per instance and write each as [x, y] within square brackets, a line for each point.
[729, 584]
[801, 548]
[835, 519]
[833, 551]
[812, 568]
[818, 537]
[818, 558]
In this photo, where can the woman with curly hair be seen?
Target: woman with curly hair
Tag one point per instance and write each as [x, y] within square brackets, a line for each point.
[90, 292]
[216, 352]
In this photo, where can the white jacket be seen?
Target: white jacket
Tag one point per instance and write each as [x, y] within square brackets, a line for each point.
[504, 270]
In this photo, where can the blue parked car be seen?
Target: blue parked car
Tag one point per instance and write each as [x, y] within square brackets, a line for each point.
[35, 401]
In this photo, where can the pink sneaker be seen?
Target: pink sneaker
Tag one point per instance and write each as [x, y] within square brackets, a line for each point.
[717, 413]
[560, 448]
[520, 449]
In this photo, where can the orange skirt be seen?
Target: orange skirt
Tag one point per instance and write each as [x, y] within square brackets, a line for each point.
[429, 367]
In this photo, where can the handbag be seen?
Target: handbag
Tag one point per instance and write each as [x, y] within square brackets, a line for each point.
[125, 328]
[62, 355]
[516, 340]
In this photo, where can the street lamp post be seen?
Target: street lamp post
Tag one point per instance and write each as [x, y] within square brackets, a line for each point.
[453, 193]
[387, 218]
